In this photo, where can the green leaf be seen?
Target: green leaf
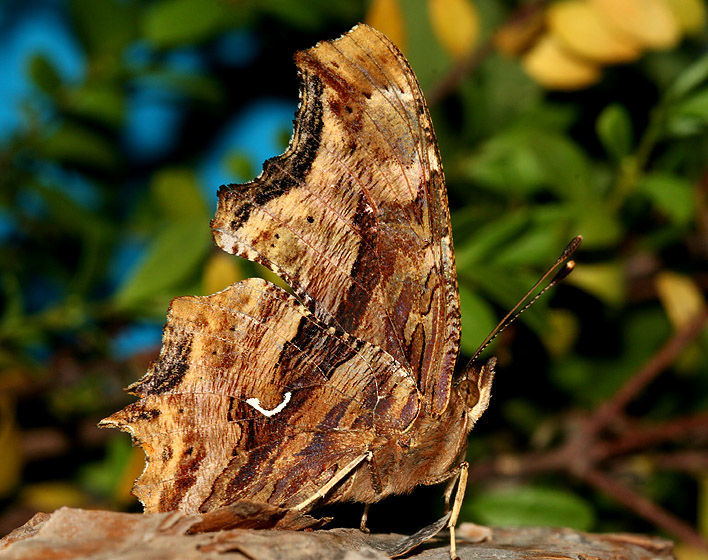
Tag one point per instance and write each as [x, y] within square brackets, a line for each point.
[529, 236]
[105, 27]
[176, 193]
[529, 505]
[240, 165]
[13, 304]
[101, 102]
[614, 129]
[538, 246]
[500, 95]
[174, 255]
[696, 105]
[599, 226]
[689, 79]
[483, 243]
[169, 23]
[427, 58]
[682, 126]
[102, 476]
[605, 280]
[194, 86]
[506, 165]
[478, 320]
[301, 15]
[505, 286]
[672, 195]
[68, 214]
[310, 15]
[525, 160]
[75, 144]
[690, 116]
[567, 167]
[43, 74]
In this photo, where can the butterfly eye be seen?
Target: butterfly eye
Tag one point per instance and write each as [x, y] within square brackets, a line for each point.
[469, 393]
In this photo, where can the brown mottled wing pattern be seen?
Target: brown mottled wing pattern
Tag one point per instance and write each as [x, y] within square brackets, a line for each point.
[323, 399]
[354, 214]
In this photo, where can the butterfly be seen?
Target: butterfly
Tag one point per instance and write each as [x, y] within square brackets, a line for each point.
[344, 389]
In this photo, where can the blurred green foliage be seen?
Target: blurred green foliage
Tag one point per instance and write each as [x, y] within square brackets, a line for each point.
[623, 163]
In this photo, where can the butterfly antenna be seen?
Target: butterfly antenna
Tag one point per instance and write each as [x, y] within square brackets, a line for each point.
[561, 268]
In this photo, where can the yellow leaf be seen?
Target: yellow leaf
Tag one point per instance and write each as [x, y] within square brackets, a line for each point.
[687, 552]
[563, 332]
[684, 551]
[583, 31]
[220, 271]
[690, 14]
[11, 462]
[680, 296]
[387, 17]
[456, 25]
[48, 496]
[604, 281]
[703, 506]
[555, 68]
[651, 22]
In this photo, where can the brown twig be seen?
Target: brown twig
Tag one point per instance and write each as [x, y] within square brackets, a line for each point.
[525, 464]
[465, 66]
[688, 461]
[668, 353]
[643, 437]
[644, 507]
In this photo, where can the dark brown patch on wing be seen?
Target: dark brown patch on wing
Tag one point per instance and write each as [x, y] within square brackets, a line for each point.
[167, 372]
[366, 268]
[283, 173]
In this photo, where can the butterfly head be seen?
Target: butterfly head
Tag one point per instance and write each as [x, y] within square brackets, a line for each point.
[475, 388]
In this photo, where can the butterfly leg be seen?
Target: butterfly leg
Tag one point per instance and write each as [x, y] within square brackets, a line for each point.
[448, 491]
[450, 477]
[336, 479]
[364, 517]
[456, 506]
[376, 485]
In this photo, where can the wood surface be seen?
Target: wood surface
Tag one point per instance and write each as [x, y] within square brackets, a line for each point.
[72, 534]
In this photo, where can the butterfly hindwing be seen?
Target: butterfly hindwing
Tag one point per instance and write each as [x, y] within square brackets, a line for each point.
[249, 383]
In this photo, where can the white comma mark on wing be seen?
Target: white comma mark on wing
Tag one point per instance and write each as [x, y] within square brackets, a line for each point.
[256, 403]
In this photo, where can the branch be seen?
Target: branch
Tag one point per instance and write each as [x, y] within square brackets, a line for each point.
[525, 464]
[466, 65]
[645, 508]
[690, 461]
[642, 437]
[668, 353]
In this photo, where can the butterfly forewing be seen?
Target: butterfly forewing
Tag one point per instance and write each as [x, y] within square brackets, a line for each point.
[354, 214]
